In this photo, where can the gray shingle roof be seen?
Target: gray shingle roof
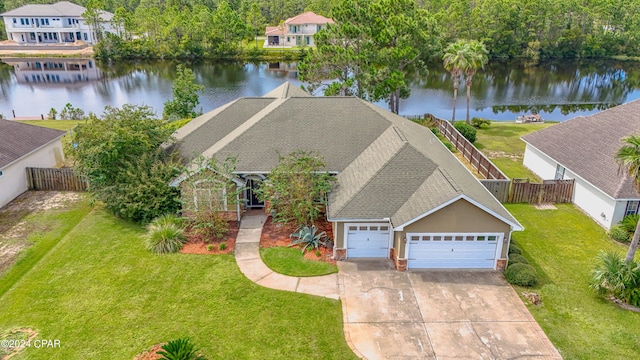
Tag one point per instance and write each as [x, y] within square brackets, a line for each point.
[587, 146]
[18, 140]
[339, 128]
[286, 90]
[59, 9]
[389, 189]
[214, 125]
[388, 166]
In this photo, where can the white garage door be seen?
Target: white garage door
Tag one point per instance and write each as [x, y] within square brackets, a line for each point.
[453, 251]
[367, 240]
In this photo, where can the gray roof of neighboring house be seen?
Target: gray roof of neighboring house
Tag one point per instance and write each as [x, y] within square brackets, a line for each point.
[61, 9]
[286, 90]
[380, 158]
[587, 145]
[18, 140]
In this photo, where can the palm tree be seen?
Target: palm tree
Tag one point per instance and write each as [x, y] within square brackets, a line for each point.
[455, 61]
[628, 158]
[476, 59]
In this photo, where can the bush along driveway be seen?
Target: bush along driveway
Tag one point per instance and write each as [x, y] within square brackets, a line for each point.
[562, 245]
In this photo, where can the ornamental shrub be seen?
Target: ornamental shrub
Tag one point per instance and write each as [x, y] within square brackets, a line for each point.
[468, 131]
[521, 274]
[614, 276]
[479, 122]
[514, 249]
[517, 259]
[619, 233]
[629, 223]
[165, 235]
[180, 349]
[309, 237]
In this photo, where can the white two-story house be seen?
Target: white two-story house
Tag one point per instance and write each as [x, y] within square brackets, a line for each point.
[296, 31]
[57, 23]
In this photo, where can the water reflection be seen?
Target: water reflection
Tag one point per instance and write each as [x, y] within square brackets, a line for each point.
[557, 90]
[54, 71]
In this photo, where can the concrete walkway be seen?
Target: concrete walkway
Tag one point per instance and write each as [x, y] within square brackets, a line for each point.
[248, 258]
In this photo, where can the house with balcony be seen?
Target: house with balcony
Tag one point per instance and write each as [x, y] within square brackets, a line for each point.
[48, 24]
[296, 31]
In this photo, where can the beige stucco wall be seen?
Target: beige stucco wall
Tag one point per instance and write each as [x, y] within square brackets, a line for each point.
[460, 216]
[13, 182]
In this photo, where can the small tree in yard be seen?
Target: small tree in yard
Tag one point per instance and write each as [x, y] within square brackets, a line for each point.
[120, 155]
[185, 96]
[297, 188]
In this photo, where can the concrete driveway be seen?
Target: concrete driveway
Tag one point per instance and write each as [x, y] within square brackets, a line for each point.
[390, 314]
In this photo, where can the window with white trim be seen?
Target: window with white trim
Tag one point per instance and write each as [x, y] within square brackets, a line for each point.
[559, 172]
[632, 207]
[205, 196]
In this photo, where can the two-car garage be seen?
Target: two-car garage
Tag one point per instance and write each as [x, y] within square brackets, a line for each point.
[426, 250]
[453, 250]
[459, 235]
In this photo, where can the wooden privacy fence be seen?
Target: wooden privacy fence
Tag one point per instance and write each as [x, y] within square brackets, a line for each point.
[475, 157]
[55, 179]
[550, 191]
[504, 189]
[499, 188]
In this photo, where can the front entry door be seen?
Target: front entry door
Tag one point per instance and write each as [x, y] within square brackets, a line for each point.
[251, 194]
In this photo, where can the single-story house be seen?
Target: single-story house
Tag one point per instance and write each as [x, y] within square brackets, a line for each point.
[23, 146]
[584, 148]
[399, 193]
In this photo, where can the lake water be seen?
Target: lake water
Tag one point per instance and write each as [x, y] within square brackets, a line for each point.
[558, 90]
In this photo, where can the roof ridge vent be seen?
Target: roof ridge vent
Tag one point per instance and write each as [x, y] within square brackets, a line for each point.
[400, 134]
[450, 179]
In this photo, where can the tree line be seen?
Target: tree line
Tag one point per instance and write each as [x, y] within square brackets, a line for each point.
[532, 29]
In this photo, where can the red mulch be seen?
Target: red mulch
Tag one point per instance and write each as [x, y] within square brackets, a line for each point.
[196, 243]
[277, 234]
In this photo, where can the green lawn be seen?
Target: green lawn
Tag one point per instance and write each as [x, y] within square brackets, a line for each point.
[501, 143]
[562, 245]
[105, 297]
[45, 229]
[54, 124]
[290, 261]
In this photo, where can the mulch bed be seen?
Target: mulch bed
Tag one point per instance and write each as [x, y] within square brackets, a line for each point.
[197, 244]
[624, 305]
[278, 234]
[151, 354]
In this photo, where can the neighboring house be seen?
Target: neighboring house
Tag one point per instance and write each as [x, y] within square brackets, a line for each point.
[584, 149]
[58, 70]
[23, 146]
[57, 23]
[399, 193]
[296, 31]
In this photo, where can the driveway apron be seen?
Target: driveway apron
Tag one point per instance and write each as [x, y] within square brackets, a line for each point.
[454, 314]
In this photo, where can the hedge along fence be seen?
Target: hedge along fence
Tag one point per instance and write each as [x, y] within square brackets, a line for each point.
[55, 179]
[503, 188]
[475, 157]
